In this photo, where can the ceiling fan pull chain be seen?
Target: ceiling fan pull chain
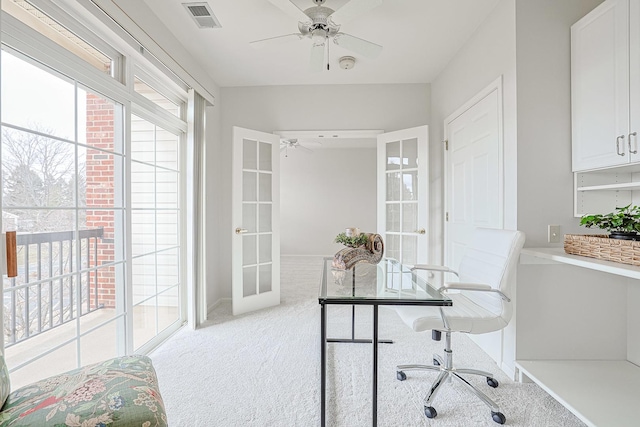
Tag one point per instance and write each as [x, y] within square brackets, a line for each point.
[328, 57]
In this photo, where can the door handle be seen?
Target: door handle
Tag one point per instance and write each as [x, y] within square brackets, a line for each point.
[421, 231]
[621, 137]
[241, 230]
[12, 254]
[635, 135]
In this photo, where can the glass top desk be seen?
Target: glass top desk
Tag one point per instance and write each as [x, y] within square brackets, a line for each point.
[386, 283]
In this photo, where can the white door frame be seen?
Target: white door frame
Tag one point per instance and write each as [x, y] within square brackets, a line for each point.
[240, 303]
[421, 134]
[496, 85]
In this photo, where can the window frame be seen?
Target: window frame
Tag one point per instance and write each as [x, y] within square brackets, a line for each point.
[17, 38]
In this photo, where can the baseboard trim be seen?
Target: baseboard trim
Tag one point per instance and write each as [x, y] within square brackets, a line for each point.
[510, 370]
[213, 306]
[302, 255]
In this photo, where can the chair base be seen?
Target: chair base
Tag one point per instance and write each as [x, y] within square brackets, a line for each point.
[446, 371]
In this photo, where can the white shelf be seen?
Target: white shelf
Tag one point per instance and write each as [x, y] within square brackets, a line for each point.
[601, 393]
[558, 255]
[611, 187]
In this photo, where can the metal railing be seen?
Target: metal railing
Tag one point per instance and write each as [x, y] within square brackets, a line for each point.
[45, 294]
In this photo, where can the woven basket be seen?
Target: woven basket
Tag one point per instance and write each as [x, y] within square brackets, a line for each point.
[602, 247]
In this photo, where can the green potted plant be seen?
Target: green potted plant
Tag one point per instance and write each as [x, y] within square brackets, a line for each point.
[353, 241]
[623, 223]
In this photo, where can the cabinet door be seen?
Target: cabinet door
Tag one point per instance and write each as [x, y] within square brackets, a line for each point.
[633, 143]
[600, 87]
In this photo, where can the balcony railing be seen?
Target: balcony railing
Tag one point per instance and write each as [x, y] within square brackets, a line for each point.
[45, 294]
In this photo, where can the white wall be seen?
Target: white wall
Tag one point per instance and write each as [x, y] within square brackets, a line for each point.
[544, 115]
[271, 108]
[489, 53]
[321, 194]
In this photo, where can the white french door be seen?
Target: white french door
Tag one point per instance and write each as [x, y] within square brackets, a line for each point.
[256, 220]
[473, 171]
[403, 194]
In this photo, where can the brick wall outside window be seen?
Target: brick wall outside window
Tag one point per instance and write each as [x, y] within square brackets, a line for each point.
[100, 187]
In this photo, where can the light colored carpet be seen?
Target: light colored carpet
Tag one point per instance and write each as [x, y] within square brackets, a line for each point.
[263, 369]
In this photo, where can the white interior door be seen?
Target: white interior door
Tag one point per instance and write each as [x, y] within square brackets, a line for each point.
[474, 172]
[474, 182]
[403, 194]
[255, 213]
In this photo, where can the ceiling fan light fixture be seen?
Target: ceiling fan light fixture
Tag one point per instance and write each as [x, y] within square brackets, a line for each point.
[319, 36]
[318, 23]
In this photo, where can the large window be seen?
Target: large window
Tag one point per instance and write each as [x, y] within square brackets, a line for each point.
[62, 188]
[155, 214]
[94, 192]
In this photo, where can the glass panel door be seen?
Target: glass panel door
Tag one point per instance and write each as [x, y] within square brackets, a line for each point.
[403, 194]
[155, 237]
[256, 247]
[62, 191]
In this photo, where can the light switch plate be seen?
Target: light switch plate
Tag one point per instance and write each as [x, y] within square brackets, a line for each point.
[555, 234]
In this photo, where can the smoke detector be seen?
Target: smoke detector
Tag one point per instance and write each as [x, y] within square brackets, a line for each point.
[347, 62]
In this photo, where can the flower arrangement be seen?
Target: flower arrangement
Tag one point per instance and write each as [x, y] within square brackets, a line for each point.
[354, 240]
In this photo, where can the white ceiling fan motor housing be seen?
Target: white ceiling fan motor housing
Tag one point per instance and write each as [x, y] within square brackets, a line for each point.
[347, 62]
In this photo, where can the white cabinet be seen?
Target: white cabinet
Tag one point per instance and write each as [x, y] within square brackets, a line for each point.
[603, 190]
[605, 86]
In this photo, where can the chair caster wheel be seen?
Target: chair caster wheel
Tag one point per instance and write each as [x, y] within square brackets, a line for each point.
[401, 376]
[492, 383]
[435, 362]
[498, 417]
[430, 412]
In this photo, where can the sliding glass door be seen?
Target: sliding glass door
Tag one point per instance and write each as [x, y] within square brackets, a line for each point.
[95, 195]
[155, 233]
[62, 191]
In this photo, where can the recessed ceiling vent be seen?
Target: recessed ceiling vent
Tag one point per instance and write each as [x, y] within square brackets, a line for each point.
[203, 15]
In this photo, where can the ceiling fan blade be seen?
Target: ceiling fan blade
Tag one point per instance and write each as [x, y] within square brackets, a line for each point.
[317, 57]
[304, 148]
[275, 41]
[290, 9]
[357, 45]
[313, 143]
[283, 148]
[353, 9]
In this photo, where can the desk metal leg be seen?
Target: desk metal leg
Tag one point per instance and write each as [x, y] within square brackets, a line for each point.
[323, 364]
[375, 365]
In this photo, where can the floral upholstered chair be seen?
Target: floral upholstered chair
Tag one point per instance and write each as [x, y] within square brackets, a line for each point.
[116, 393]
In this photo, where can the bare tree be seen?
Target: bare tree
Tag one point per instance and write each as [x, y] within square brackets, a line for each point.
[40, 177]
[40, 172]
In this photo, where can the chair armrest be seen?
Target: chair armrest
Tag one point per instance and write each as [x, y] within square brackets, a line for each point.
[428, 267]
[466, 286]
[480, 287]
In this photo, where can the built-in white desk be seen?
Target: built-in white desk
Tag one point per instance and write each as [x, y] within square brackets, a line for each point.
[599, 392]
[558, 255]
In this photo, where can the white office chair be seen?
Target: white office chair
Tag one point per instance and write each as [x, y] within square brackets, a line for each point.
[482, 304]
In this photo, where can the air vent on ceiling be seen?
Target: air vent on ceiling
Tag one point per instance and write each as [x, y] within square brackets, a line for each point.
[202, 14]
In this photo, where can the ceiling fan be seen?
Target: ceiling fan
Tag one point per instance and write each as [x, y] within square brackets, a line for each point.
[293, 143]
[317, 24]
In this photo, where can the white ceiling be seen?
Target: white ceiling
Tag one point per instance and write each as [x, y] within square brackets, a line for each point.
[419, 38]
